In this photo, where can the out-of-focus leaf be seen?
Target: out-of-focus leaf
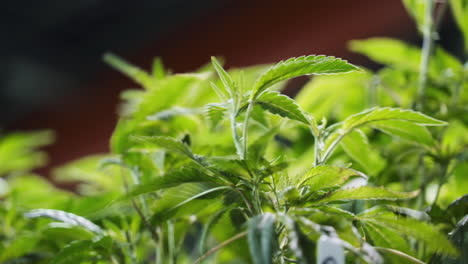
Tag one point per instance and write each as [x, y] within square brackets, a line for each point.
[261, 237]
[366, 193]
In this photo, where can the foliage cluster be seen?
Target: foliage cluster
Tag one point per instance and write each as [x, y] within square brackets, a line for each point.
[219, 166]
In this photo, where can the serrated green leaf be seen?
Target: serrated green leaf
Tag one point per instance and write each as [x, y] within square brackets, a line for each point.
[460, 12]
[387, 113]
[325, 176]
[170, 179]
[356, 145]
[168, 143]
[366, 193]
[422, 231]
[65, 217]
[136, 74]
[405, 130]
[294, 67]
[383, 237]
[282, 105]
[261, 236]
[215, 112]
[229, 84]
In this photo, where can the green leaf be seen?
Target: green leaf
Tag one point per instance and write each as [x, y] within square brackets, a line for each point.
[215, 112]
[136, 74]
[356, 145]
[18, 151]
[172, 112]
[383, 237]
[416, 9]
[261, 237]
[208, 226]
[294, 67]
[171, 179]
[460, 12]
[388, 113]
[76, 252]
[158, 69]
[366, 193]
[65, 217]
[421, 231]
[168, 143]
[226, 79]
[282, 105]
[325, 176]
[405, 130]
[390, 52]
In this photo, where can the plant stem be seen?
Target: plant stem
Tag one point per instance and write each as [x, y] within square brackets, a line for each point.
[400, 254]
[245, 129]
[218, 247]
[428, 39]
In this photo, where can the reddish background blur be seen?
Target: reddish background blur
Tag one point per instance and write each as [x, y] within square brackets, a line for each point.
[243, 32]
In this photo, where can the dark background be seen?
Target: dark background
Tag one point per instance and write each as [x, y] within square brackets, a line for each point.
[52, 74]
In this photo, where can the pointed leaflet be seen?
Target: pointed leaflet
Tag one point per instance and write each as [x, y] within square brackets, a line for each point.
[405, 130]
[366, 193]
[138, 75]
[422, 231]
[171, 179]
[65, 217]
[356, 145]
[261, 231]
[226, 79]
[168, 143]
[282, 105]
[388, 113]
[215, 112]
[416, 9]
[325, 176]
[295, 67]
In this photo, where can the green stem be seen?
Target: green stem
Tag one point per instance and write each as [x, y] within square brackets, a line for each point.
[440, 183]
[245, 129]
[400, 254]
[218, 247]
[428, 40]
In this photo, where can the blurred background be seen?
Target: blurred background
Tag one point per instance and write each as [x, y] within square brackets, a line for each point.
[52, 74]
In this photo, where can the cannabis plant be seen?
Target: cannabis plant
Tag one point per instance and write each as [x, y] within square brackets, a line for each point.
[220, 166]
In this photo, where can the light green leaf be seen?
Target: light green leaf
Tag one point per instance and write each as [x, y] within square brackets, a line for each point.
[172, 112]
[325, 176]
[416, 9]
[136, 74]
[356, 145]
[229, 84]
[388, 113]
[168, 143]
[18, 151]
[261, 237]
[294, 67]
[405, 130]
[366, 193]
[65, 217]
[460, 12]
[282, 105]
[158, 69]
[215, 112]
[389, 51]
